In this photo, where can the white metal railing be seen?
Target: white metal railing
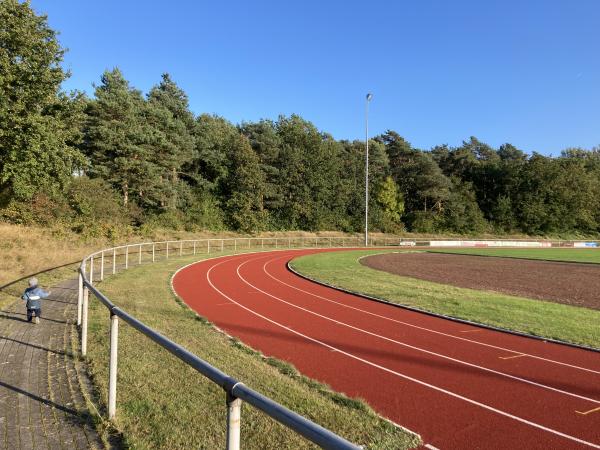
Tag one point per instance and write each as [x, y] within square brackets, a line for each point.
[136, 254]
[127, 255]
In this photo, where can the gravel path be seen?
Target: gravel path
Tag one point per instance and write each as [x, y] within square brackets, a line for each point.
[568, 283]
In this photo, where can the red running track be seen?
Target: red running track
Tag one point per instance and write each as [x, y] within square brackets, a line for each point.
[459, 386]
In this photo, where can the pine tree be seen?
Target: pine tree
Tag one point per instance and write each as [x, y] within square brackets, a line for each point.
[117, 141]
[171, 142]
[266, 143]
[245, 188]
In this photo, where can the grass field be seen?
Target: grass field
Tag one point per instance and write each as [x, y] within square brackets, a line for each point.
[581, 255]
[162, 403]
[550, 320]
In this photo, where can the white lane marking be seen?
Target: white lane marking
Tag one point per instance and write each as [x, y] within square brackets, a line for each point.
[404, 344]
[431, 447]
[398, 374]
[426, 329]
[512, 356]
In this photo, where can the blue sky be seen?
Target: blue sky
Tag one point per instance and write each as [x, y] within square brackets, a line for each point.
[525, 72]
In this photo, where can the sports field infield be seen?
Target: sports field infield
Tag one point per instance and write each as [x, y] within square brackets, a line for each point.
[537, 317]
[580, 255]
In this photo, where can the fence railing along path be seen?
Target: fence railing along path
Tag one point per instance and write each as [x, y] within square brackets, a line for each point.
[107, 261]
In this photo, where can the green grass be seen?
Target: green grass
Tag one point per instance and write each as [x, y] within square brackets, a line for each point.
[162, 403]
[586, 255]
[546, 319]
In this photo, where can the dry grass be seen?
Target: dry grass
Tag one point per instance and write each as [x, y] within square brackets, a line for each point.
[28, 250]
[25, 251]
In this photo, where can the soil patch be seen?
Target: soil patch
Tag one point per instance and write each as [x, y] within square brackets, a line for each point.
[567, 283]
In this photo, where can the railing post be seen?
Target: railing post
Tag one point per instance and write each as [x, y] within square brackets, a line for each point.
[112, 369]
[289, 243]
[91, 277]
[140, 256]
[167, 249]
[126, 257]
[194, 247]
[234, 415]
[79, 299]
[153, 246]
[235, 245]
[102, 266]
[276, 243]
[84, 320]
[262, 243]
[208, 246]
[222, 240]
[180, 248]
[114, 261]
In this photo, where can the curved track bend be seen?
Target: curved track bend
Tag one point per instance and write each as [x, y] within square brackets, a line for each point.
[459, 386]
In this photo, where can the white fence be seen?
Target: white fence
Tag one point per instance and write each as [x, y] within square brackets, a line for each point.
[109, 261]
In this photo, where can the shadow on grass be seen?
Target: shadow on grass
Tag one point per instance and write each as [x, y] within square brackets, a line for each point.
[11, 283]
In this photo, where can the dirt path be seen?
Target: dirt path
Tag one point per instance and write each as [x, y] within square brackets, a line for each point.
[567, 283]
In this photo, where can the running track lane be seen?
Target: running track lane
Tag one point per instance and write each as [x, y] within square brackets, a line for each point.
[457, 385]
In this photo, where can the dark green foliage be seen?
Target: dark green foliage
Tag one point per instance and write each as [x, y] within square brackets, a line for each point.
[245, 188]
[94, 200]
[171, 141]
[266, 143]
[299, 173]
[37, 123]
[213, 138]
[124, 159]
[461, 213]
[119, 142]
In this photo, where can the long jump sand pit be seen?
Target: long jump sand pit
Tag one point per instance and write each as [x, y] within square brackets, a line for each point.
[568, 283]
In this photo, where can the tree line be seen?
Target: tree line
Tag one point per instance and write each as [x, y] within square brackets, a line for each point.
[127, 159]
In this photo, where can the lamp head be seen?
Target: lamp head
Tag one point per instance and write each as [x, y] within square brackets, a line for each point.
[369, 97]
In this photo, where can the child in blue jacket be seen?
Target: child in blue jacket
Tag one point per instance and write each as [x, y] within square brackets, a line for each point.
[33, 295]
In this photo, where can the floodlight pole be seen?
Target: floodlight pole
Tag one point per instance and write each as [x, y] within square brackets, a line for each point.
[368, 99]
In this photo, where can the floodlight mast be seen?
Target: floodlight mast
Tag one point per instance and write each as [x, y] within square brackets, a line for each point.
[368, 99]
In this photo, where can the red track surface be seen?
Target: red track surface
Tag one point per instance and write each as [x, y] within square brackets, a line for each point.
[458, 386]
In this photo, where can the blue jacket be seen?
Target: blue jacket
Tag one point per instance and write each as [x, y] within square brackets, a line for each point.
[33, 297]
